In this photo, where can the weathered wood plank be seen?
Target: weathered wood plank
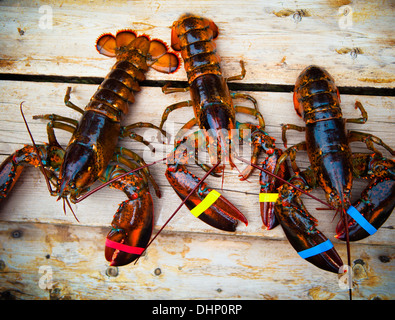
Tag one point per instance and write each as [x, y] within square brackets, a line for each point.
[43, 98]
[253, 264]
[49, 261]
[276, 39]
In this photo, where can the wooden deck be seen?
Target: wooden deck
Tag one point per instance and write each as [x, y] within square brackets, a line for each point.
[47, 46]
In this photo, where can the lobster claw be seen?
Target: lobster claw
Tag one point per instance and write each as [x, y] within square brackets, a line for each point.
[131, 230]
[269, 186]
[9, 174]
[13, 165]
[300, 228]
[205, 203]
[374, 207]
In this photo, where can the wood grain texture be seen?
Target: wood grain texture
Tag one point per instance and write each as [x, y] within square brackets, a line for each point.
[243, 268]
[276, 39]
[30, 206]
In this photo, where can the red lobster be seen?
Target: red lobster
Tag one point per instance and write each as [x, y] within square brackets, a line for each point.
[92, 152]
[215, 115]
[333, 168]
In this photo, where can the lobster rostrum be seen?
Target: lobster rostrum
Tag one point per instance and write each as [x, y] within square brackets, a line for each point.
[215, 115]
[332, 167]
[92, 152]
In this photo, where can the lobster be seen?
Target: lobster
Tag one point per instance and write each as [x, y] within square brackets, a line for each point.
[215, 115]
[332, 167]
[92, 152]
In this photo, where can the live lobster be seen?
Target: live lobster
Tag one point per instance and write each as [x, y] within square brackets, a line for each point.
[332, 167]
[92, 152]
[215, 115]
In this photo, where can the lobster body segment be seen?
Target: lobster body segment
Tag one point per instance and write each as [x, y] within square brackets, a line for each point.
[333, 167]
[213, 105]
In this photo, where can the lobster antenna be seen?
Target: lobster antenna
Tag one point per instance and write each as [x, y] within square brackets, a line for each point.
[283, 180]
[345, 221]
[36, 150]
[179, 207]
[115, 179]
[66, 200]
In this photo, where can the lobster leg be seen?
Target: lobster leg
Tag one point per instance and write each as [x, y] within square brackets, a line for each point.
[364, 114]
[369, 140]
[237, 95]
[69, 104]
[377, 201]
[286, 127]
[128, 131]
[254, 113]
[59, 122]
[167, 90]
[239, 76]
[173, 107]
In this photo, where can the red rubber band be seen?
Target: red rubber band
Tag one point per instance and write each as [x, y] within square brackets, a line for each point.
[124, 247]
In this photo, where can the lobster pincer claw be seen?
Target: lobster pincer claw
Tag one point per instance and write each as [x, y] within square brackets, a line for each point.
[369, 213]
[300, 229]
[204, 203]
[131, 230]
[13, 165]
[268, 193]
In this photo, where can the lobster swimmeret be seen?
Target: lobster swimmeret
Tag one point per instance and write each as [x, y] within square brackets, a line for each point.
[333, 168]
[93, 145]
[215, 115]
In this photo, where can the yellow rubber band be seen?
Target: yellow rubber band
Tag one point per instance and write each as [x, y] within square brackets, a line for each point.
[206, 203]
[268, 197]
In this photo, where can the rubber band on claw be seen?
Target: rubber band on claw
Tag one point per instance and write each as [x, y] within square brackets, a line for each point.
[124, 247]
[360, 219]
[320, 248]
[268, 197]
[206, 203]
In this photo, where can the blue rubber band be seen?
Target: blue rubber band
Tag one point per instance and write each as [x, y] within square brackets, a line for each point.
[360, 219]
[319, 248]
